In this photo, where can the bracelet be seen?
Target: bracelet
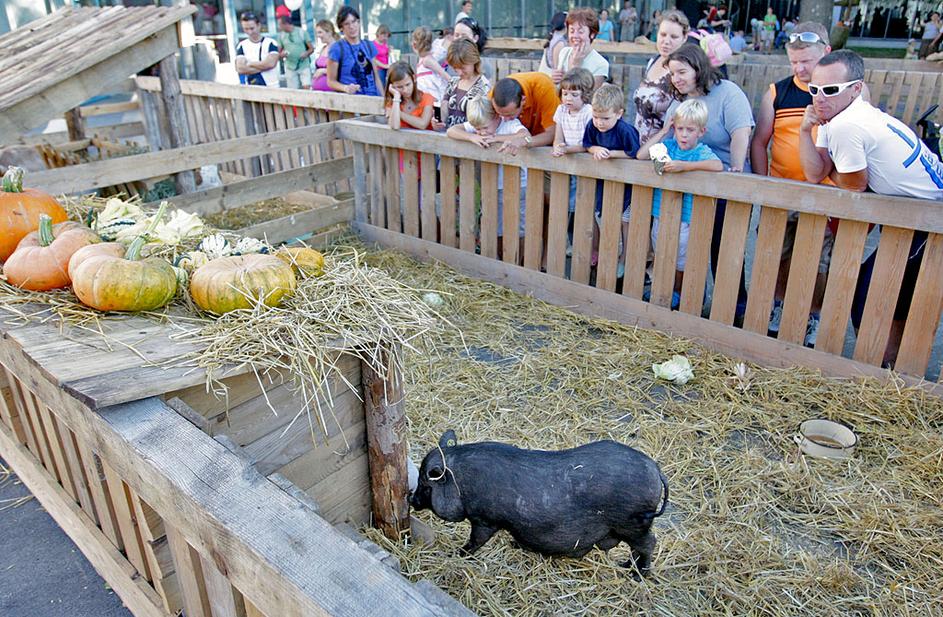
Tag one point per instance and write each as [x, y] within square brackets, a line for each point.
[734, 170]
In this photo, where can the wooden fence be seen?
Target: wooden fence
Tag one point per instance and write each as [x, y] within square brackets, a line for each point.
[172, 518]
[217, 112]
[457, 236]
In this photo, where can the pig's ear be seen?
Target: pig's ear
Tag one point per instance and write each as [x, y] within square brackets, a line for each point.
[448, 439]
[435, 473]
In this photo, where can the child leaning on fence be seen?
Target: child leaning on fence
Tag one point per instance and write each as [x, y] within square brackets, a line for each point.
[484, 127]
[572, 116]
[609, 136]
[686, 154]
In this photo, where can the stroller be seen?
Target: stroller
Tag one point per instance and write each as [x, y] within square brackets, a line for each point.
[929, 131]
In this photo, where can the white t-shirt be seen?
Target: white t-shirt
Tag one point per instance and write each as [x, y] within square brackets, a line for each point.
[461, 15]
[506, 127]
[256, 52]
[898, 163]
[573, 125]
[593, 62]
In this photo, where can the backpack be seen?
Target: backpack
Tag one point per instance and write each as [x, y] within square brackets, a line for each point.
[714, 45]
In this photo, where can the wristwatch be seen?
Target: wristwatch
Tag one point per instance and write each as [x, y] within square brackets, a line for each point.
[527, 140]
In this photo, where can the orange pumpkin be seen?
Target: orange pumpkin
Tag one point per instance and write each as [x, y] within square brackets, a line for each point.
[20, 210]
[112, 249]
[238, 282]
[41, 260]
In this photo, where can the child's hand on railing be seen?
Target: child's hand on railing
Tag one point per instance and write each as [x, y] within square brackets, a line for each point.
[674, 166]
[599, 153]
[483, 141]
[559, 149]
[437, 125]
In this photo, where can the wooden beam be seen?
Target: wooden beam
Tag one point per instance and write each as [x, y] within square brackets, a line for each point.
[922, 214]
[92, 176]
[68, 93]
[385, 416]
[177, 119]
[597, 302]
[328, 101]
[75, 124]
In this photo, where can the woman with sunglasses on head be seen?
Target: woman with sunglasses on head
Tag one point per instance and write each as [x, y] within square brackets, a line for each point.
[729, 124]
[469, 29]
[350, 66]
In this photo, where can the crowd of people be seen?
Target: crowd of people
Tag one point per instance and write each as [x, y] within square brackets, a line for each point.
[815, 125]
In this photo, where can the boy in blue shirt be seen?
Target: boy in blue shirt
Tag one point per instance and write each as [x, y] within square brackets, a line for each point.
[608, 136]
[687, 154]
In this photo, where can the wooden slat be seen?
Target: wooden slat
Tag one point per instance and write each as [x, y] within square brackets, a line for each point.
[189, 571]
[429, 220]
[896, 80]
[127, 525]
[882, 294]
[278, 163]
[157, 554]
[99, 492]
[840, 287]
[16, 394]
[534, 220]
[9, 412]
[915, 80]
[666, 250]
[410, 181]
[489, 210]
[511, 211]
[768, 254]
[447, 184]
[730, 261]
[609, 235]
[638, 242]
[39, 432]
[924, 316]
[377, 207]
[583, 224]
[57, 449]
[803, 270]
[557, 223]
[76, 470]
[224, 600]
[466, 194]
[394, 219]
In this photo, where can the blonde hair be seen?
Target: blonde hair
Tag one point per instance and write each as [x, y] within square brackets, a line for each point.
[677, 17]
[479, 112]
[609, 98]
[578, 79]
[422, 39]
[692, 110]
[384, 29]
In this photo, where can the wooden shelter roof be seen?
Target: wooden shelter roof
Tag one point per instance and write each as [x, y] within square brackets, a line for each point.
[55, 63]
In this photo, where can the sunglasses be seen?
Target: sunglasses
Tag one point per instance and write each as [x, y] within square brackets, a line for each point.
[249, 16]
[831, 89]
[805, 37]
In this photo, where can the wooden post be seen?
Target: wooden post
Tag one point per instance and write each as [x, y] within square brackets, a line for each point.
[386, 447]
[177, 117]
[75, 124]
[360, 182]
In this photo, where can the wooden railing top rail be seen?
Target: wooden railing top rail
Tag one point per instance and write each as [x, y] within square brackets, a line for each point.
[517, 43]
[749, 188]
[329, 101]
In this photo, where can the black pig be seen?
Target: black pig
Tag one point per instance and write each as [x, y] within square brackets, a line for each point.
[556, 503]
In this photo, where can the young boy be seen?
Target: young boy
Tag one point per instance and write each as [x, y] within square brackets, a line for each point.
[484, 127]
[608, 136]
[572, 116]
[687, 154]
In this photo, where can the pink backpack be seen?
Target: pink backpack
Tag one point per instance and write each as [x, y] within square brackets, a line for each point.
[714, 45]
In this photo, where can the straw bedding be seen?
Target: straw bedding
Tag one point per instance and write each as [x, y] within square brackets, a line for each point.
[753, 528]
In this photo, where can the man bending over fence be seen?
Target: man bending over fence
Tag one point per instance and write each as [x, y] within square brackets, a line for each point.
[860, 147]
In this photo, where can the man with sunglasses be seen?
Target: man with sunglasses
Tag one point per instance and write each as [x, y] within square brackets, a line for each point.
[863, 148]
[775, 151]
[256, 56]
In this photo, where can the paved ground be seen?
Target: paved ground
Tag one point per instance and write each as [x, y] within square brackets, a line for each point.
[42, 573]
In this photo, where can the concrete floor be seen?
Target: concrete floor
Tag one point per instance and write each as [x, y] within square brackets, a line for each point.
[42, 573]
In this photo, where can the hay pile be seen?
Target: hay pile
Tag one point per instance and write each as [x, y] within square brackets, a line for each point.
[752, 528]
[259, 212]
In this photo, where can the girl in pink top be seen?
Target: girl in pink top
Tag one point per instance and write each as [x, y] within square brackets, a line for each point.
[382, 59]
[327, 36]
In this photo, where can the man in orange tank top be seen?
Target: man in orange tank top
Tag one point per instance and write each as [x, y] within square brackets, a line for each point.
[775, 152]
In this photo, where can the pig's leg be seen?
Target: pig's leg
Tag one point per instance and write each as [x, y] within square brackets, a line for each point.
[607, 543]
[480, 533]
[643, 545]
